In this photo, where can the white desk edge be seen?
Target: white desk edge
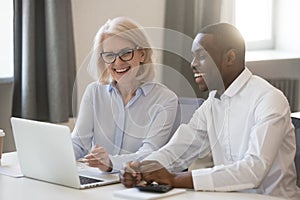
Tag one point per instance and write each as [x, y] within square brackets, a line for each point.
[26, 188]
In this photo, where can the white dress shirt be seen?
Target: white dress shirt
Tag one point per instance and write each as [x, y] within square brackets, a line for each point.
[250, 135]
[127, 132]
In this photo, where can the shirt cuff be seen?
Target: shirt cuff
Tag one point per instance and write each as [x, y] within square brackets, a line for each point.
[116, 166]
[202, 179]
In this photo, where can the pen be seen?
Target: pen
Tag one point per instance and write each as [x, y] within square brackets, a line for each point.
[81, 160]
[84, 160]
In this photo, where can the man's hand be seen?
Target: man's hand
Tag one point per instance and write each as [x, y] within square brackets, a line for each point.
[154, 171]
[99, 158]
[131, 174]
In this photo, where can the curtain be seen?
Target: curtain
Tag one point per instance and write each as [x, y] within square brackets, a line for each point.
[44, 60]
[186, 17]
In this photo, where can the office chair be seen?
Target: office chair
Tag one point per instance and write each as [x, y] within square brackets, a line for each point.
[296, 123]
[186, 108]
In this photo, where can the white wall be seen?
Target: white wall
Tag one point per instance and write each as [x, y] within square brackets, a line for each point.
[282, 68]
[90, 15]
[284, 62]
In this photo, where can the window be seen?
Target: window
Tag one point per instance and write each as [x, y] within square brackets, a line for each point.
[6, 39]
[254, 18]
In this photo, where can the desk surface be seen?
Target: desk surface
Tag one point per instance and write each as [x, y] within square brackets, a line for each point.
[26, 188]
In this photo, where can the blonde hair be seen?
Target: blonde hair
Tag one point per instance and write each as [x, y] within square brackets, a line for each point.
[129, 30]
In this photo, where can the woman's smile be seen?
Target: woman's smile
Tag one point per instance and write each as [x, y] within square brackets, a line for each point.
[122, 70]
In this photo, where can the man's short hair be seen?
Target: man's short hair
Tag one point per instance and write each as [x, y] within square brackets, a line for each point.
[227, 36]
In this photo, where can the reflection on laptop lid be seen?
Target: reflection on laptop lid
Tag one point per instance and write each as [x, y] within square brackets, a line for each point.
[46, 153]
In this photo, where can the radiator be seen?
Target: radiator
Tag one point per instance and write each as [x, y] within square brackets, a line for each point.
[290, 88]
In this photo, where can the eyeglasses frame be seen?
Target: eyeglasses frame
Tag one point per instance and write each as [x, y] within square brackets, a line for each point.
[120, 53]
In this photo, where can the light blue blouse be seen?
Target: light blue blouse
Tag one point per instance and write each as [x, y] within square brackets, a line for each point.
[128, 132]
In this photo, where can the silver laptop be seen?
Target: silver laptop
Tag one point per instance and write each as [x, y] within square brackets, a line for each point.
[45, 152]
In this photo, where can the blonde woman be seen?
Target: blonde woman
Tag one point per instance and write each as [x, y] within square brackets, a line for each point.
[124, 115]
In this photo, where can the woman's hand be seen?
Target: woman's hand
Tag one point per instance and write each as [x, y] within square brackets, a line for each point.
[99, 158]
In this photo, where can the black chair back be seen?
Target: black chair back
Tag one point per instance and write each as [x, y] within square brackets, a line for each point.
[296, 123]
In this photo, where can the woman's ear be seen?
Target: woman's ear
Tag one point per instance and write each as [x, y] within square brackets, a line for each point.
[142, 54]
[231, 56]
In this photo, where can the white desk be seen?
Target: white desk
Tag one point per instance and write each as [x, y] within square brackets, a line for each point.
[29, 189]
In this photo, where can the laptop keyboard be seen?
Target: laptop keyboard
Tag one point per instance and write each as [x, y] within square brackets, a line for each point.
[87, 180]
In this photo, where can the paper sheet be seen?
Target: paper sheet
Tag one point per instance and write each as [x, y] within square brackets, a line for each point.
[134, 193]
[9, 165]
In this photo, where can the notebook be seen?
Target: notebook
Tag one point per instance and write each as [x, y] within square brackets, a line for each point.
[45, 152]
[134, 193]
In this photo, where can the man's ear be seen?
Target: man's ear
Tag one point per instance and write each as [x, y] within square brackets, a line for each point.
[231, 56]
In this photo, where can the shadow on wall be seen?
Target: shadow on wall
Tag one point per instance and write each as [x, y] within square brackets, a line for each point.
[6, 87]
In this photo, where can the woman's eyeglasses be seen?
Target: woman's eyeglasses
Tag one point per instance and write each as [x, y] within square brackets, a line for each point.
[125, 55]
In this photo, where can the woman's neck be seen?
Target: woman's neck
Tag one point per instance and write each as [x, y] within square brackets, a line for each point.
[127, 90]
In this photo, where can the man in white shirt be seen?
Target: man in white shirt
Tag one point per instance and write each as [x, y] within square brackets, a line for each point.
[245, 123]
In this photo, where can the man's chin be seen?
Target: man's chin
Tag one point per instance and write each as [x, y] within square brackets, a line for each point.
[203, 88]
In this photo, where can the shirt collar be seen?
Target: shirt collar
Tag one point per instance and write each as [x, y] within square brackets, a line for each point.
[238, 83]
[147, 87]
[144, 88]
[112, 86]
